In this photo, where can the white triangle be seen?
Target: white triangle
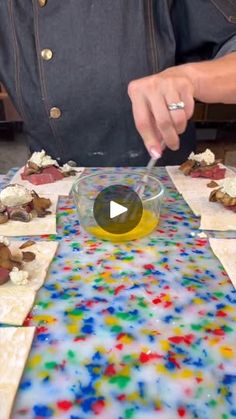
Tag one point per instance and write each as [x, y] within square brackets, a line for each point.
[116, 209]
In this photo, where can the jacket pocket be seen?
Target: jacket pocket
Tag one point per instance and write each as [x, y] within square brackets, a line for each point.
[227, 8]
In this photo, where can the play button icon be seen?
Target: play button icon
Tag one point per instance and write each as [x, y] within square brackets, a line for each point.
[117, 209]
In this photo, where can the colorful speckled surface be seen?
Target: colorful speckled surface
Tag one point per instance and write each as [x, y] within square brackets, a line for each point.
[145, 329]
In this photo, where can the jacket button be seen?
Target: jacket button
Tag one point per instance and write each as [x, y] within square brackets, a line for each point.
[55, 113]
[42, 3]
[46, 54]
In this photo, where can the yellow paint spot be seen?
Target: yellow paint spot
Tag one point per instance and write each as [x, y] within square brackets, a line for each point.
[34, 361]
[126, 339]
[227, 352]
[42, 374]
[111, 321]
[72, 328]
[133, 397]
[125, 371]
[161, 369]
[198, 300]
[44, 318]
[185, 373]
[165, 345]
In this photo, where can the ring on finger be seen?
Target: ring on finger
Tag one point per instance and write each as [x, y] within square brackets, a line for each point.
[174, 106]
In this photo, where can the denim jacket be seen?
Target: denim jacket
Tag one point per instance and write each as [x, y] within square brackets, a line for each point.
[67, 64]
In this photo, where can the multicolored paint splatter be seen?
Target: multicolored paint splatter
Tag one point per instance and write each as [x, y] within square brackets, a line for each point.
[137, 330]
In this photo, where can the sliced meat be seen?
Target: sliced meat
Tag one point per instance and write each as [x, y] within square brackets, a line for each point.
[4, 275]
[48, 175]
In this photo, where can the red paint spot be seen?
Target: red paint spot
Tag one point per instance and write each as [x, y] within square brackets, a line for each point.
[119, 346]
[79, 338]
[221, 313]
[167, 304]
[41, 329]
[120, 336]
[98, 407]
[66, 268]
[119, 289]
[64, 405]
[156, 301]
[110, 370]
[144, 357]
[218, 332]
[166, 287]
[149, 267]
[188, 339]
[121, 397]
[173, 361]
[28, 320]
[199, 380]
[181, 412]
[221, 367]
[176, 339]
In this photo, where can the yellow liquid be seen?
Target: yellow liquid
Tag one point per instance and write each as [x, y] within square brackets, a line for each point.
[145, 226]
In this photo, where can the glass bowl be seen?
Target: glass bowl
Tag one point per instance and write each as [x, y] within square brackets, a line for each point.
[86, 188]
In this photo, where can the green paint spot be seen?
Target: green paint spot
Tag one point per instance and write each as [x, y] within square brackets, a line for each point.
[43, 304]
[98, 280]
[116, 329]
[196, 326]
[212, 403]
[50, 365]
[228, 329]
[126, 316]
[129, 413]
[142, 303]
[71, 355]
[224, 416]
[218, 294]
[121, 381]
[75, 312]
[127, 359]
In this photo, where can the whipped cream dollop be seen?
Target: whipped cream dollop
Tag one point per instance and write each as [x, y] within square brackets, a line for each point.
[67, 168]
[207, 156]
[14, 195]
[19, 277]
[228, 185]
[4, 241]
[41, 159]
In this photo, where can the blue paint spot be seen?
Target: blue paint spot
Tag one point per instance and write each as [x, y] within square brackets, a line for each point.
[233, 412]
[170, 365]
[229, 379]
[89, 320]
[25, 384]
[86, 404]
[111, 309]
[43, 337]
[151, 338]
[141, 387]
[97, 356]
[43, 411]
[87, 329]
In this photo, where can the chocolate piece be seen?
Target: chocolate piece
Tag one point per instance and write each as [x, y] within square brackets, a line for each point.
[19, 214]
[28, 243]
[212, 184]
[28, 256]
[3, 217]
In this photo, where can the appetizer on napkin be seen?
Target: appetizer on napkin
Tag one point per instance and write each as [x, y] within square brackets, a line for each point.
[203, 165]
[225, 251]
[23, 269]
[225, 194]
[15, 344]
[43, 172]
[24, 212]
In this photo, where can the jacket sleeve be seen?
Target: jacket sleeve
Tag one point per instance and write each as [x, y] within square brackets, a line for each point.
[204, 29]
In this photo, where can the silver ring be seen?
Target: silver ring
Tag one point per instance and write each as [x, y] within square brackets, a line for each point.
[175, 106]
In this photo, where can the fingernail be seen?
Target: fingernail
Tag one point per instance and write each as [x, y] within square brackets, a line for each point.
[154, 153]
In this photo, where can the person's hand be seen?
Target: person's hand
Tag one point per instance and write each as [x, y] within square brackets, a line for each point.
[150, 96]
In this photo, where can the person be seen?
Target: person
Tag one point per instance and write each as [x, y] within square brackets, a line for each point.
[107, 83]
